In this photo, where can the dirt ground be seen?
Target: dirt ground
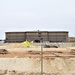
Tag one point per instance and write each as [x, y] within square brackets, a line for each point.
[36, 52]
[56, 61]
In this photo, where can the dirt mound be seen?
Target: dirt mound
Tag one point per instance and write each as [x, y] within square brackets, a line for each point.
[14, 72]
[56, 66]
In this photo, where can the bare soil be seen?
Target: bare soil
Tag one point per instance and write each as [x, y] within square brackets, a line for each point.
[27, 61]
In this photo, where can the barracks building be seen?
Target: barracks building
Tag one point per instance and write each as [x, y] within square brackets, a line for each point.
[37, 36]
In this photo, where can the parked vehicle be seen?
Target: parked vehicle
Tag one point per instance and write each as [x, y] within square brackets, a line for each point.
[50, 46]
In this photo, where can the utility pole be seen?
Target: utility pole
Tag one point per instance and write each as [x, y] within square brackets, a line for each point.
[41, 58]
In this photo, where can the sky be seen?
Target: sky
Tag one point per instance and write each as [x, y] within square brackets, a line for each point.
[33, 15]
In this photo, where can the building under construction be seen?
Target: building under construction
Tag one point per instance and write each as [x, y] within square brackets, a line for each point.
[37, 36]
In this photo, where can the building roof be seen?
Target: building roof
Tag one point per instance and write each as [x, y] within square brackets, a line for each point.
[39, 31]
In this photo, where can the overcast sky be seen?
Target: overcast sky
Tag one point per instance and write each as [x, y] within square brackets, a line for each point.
[33, 15]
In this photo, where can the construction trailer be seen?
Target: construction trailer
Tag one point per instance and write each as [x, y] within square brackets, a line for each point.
[37, 36]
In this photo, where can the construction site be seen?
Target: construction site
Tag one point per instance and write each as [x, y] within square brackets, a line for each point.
[37, 53]
[29, 58]
[37, 37]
